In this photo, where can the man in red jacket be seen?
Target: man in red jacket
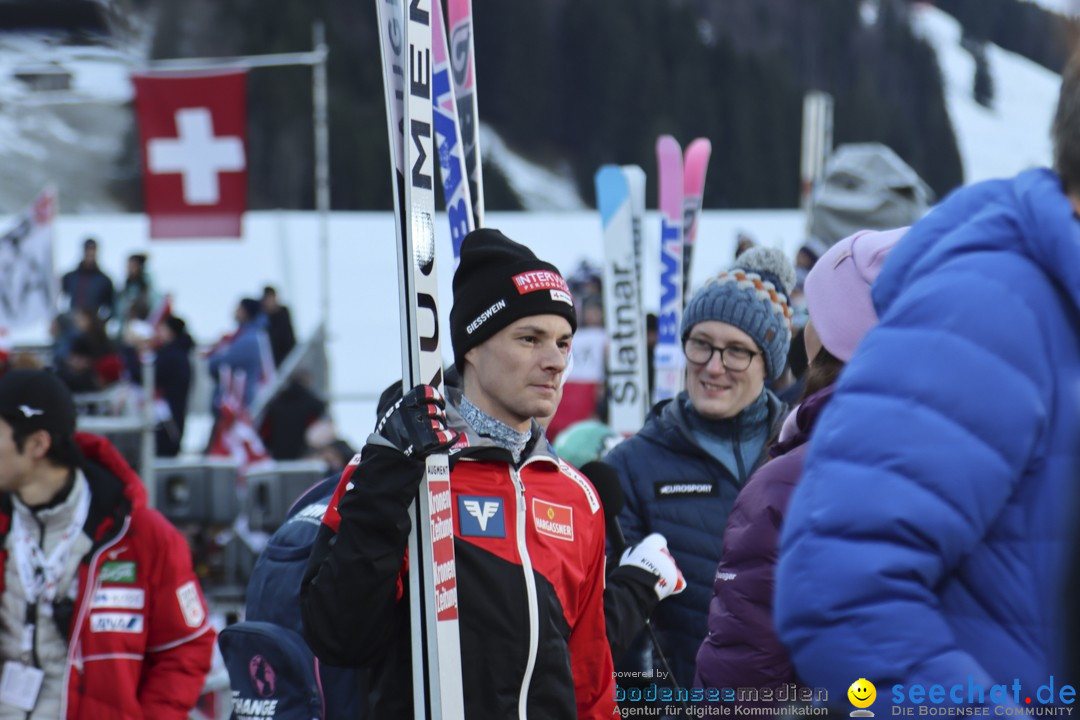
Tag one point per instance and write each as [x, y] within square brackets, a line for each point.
[100, 612]
[528, 528]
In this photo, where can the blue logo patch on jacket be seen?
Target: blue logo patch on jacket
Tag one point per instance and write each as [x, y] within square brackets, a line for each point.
[480, 516]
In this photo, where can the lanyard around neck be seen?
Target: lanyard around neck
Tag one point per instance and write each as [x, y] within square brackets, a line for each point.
[40, 575]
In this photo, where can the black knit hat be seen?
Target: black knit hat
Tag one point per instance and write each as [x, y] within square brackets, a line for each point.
[37, 400]
[497, 282]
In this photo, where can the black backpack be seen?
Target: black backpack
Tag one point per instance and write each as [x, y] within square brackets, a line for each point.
[272, 671]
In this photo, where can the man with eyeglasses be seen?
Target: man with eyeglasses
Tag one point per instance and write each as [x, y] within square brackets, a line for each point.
[682, 471]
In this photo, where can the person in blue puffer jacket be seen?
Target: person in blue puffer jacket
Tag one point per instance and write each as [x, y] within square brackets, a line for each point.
[682, 471]
[926, 542]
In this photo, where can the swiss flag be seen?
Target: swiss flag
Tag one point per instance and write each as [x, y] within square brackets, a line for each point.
[192, 127]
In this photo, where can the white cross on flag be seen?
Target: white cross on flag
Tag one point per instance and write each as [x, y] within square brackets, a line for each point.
[193, 128]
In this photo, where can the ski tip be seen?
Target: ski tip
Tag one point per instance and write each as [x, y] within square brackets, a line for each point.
[607, 173]
[700, 145]
[666, 144]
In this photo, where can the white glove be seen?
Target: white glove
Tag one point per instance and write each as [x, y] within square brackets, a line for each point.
[652, 554]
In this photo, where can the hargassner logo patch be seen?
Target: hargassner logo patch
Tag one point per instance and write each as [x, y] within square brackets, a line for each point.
[685, 489]
[116, 622]
[553, 520]
[480, 516]
[118, 572]
[535, 280]
[124, 598]
[484, 317]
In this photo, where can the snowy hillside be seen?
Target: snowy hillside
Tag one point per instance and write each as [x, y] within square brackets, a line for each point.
[538, 188]
[66, 108]
[1012, 135]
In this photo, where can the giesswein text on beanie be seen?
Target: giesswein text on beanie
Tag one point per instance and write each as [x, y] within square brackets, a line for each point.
[497, 282]
[752, 296]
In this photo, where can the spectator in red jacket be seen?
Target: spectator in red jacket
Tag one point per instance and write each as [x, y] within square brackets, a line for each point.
[100, 612]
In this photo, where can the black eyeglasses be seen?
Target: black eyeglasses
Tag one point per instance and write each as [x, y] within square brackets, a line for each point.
[734, 358]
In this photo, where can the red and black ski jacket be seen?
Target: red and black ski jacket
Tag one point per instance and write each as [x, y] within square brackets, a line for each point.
[529, 544]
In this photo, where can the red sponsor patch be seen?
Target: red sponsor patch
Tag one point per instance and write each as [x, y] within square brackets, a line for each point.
[553, 520]
[461, 444]
[442, 549]
[534, 280]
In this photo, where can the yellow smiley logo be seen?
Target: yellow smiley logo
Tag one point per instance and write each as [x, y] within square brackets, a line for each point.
[862, 693]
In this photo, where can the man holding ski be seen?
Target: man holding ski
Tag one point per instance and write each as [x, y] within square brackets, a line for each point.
[528, 528]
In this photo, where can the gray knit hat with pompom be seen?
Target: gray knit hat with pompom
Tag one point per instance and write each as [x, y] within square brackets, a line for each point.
[753, 296]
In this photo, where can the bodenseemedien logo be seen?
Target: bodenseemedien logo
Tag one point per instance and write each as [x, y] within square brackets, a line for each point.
[862, 694]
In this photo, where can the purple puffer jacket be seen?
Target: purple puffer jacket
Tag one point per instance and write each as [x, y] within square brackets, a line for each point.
[742, 648]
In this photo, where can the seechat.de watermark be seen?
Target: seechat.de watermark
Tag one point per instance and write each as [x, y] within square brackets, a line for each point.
[968, 698]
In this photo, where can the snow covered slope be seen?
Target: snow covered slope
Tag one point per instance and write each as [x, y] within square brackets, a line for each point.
[1012, 135]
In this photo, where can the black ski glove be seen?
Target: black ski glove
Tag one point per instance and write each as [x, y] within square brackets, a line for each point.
[416, 424]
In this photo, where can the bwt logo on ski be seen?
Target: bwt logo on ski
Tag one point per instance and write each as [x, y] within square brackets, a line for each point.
[534, 280]
[553, 520]
[481, 516]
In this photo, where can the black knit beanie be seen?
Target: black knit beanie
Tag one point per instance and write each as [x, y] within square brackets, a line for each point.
[497, 282]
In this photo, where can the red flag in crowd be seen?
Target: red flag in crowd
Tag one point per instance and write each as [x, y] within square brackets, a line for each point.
[234, 434]
[193, 128]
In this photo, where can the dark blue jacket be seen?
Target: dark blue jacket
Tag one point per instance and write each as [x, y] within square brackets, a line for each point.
[172, 375]
[676, 488]
[89, 288]
[926, 540]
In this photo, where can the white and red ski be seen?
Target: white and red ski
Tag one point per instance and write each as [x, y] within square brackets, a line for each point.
[405, 38]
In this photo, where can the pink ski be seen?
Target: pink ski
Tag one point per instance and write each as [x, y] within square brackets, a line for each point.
[668, 363]
[696, 162]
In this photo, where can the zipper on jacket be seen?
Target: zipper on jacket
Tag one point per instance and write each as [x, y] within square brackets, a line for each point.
[737, 445]
[74, 650]
[33, 616]
[530, 592]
